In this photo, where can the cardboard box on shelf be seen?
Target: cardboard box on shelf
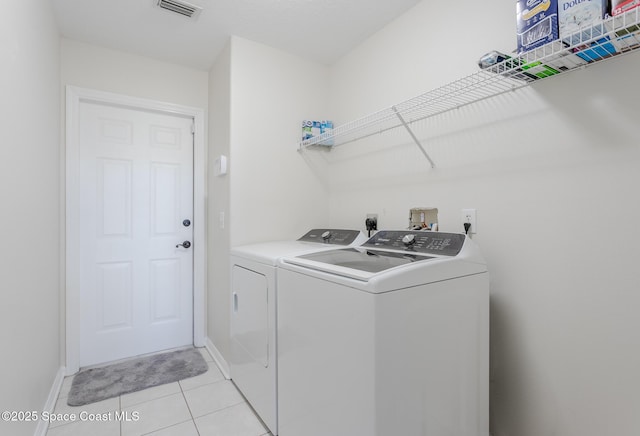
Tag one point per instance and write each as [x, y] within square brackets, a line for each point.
[581, 20]
[621, 6]
[597, 50]
[312, 129]
[536, 23]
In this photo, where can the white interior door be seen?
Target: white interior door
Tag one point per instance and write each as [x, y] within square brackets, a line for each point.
[136, 191]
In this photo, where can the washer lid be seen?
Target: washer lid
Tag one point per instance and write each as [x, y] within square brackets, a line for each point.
[381, 265]
[362, 259]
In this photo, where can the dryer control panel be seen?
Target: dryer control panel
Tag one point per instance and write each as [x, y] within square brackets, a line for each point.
[444, 244]
[330, 236]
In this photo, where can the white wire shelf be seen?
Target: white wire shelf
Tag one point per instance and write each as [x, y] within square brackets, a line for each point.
[612, 37]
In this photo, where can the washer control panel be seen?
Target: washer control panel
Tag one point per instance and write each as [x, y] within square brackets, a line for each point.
[445, 244]
[330, 236]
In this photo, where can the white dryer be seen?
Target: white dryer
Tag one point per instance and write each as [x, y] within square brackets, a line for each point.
[390, 338]
[253, 358]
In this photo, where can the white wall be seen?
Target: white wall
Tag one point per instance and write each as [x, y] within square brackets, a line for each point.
[29, 221]
[218, 202]
[552, 171]
[259, 97]
[89, 66]
[274, 194]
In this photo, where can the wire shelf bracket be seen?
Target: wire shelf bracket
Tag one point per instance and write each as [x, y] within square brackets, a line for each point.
[413, 136]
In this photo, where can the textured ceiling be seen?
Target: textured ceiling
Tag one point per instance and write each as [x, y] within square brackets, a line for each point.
[322, 30]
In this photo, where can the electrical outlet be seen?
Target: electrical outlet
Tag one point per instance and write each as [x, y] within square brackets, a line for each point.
[469, 216]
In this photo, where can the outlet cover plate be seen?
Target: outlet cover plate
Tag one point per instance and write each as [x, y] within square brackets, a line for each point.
[469, 216]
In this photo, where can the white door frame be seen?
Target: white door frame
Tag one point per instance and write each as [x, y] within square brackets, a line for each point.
[74, 97]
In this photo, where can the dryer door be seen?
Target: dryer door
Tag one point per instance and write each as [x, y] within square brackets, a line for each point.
[249, 317]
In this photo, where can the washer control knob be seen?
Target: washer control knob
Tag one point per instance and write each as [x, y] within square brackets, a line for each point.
[326, 236]
[409, 240]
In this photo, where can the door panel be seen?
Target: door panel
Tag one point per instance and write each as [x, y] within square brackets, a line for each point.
[114, 198]
[165, 198]
[136, 188]
[164, 284]
[114, 299]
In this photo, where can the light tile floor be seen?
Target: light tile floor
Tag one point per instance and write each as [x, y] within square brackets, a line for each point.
[206, 405]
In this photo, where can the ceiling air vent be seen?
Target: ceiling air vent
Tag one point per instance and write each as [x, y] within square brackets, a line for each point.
[180, 7]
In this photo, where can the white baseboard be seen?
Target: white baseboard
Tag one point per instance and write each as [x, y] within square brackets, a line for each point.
[43, 426]
[217, 357]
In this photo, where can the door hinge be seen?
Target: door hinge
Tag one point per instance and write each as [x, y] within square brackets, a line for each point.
[193, 126]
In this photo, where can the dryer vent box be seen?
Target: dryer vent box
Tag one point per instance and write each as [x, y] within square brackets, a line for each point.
[423, 218]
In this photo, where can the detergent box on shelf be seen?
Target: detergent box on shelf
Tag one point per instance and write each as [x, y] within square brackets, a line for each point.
[312, 129]
[626, 41]
[621, 6]
[597, 50]
[536, 23]
[581, 20]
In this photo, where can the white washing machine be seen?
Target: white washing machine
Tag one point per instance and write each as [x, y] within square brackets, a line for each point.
[389, 338]
[253, 359]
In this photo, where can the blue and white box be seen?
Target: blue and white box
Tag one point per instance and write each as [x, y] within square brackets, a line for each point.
[312, 129]
[581, 20]
[537, 23]
[597, 50]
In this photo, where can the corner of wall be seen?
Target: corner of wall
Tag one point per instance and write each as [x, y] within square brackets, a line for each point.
[50, 404]
[218, 203]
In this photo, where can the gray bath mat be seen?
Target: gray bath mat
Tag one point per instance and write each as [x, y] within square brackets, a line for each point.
[97, 384]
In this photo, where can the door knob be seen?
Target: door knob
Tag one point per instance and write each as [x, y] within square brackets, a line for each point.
[185, 244]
